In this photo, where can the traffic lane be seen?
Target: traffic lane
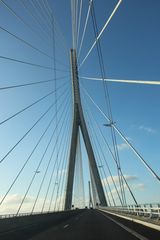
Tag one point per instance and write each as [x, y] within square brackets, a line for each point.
[52, 231]
[145, 231]
[90, 225]
[33, 225]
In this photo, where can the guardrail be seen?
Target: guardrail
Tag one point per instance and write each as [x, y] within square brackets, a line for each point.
[25, 214]
[151, 211]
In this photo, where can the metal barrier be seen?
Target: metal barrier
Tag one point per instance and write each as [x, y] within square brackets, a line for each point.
[151, 211]
[24, 214]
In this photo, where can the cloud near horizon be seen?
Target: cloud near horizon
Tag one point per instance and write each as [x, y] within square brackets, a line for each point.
[12, 203]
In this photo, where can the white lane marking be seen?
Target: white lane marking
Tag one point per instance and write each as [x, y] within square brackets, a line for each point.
[147, 224]
[67, 225]
[137, 235]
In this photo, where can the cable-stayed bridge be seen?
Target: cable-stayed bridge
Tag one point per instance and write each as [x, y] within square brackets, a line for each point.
[79, 128]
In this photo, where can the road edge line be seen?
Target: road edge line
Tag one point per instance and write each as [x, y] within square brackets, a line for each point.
[134, 233]
[150, 225]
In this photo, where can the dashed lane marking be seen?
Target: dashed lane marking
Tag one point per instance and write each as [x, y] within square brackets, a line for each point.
[67, 225]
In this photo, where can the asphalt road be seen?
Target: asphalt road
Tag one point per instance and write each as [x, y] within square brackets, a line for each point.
[94, 225]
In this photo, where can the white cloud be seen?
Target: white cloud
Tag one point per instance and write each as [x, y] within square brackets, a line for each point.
[116, 179]
[122, 146]
[137, 186]
[130, 179]
[12, 203]
[17, 198]
[147, 129]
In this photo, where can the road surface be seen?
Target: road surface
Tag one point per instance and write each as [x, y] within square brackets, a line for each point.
[96, 225]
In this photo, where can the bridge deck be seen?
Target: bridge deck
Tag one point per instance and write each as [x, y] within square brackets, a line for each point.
[95, 225]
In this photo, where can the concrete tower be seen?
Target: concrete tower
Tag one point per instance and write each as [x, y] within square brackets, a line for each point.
[79, 123]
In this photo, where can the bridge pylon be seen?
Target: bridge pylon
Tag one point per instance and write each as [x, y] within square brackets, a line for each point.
[79, 123]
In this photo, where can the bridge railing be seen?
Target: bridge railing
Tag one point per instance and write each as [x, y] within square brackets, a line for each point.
[23, 214]
[151, 211]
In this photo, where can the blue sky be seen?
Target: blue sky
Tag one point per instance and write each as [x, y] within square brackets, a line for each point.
[130, 46]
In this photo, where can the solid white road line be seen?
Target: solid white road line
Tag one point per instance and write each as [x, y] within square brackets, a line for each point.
[146, 224]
